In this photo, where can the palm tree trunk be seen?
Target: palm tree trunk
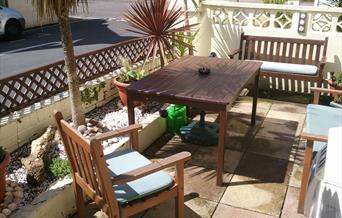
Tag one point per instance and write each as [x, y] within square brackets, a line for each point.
[77, 111]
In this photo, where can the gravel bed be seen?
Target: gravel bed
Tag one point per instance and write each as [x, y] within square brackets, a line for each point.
[111, 116]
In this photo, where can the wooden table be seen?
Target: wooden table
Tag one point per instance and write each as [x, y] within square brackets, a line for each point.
[179, 83]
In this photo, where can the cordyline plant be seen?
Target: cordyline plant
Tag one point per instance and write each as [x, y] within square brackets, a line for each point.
[162, 22]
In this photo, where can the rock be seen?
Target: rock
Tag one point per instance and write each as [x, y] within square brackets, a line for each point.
[34, 162]
[18, 194]
[2, 206]
[90, 125]
[18, 188]
[82, 129]
[6, 211]
[12, 206]
[8, 193]
[35, 174]
[13, 184]
[113, 140]
[96, 129]
[8, 199]
[9, 189]
[2, 215]
[87, 120]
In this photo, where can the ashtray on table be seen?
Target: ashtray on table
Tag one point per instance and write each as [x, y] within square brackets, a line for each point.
[204, 71]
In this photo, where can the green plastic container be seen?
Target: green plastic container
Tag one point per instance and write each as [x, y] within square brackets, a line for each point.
[176, 118]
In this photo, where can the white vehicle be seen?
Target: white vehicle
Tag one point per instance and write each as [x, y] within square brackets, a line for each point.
[12, 23]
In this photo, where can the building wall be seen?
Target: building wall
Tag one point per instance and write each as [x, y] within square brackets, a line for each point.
[27, 10]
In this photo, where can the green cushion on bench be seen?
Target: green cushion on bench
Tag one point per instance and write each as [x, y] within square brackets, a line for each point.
[127, 160]
[289, 68]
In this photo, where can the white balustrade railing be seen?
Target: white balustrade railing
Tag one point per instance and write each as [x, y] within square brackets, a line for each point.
[284, 17]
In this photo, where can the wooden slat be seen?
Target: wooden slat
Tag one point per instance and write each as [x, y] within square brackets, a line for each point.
[317, 56]
[258, 51]
[303, 59]
[32, 86]
[311, 51]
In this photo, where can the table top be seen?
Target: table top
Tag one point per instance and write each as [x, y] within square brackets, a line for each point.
[180, 81]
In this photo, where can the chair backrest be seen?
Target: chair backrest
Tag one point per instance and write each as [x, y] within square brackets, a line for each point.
[89, 168]
[285, 50]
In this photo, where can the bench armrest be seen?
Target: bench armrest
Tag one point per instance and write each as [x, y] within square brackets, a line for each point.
[174, 160]
[118, 132]
[314, 137]
[235, 52]
[323, 61]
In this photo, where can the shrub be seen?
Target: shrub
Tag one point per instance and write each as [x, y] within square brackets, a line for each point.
[58, 167]
[337, 79]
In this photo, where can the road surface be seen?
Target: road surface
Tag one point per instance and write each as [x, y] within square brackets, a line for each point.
[101, 26]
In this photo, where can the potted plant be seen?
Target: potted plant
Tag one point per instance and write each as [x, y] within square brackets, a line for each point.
[4, 161]
[127, 75]
[335, 82]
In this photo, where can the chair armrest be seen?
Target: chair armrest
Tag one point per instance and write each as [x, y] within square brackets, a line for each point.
[314, 137]
[235, 52]
[118, 132]
[330, 91]
[173, 160]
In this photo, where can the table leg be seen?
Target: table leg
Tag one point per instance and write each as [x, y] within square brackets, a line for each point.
[255, 98]
[130, 109]
[220, 150]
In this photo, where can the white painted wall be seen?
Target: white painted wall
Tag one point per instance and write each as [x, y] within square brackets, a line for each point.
[26, 9]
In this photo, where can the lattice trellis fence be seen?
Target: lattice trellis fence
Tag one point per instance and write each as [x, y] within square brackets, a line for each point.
[25, 89]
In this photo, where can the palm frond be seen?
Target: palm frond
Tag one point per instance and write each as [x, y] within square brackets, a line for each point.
[52, 8]
[161, 20]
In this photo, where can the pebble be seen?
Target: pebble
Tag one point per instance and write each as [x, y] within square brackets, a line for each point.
[6, 211]
[18, 194]
[2, 215]
[12, 206]
[82, 128]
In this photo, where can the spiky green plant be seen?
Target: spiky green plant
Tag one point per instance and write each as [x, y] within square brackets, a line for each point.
[161, 21]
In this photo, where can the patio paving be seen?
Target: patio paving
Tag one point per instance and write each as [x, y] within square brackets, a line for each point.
[263, 165]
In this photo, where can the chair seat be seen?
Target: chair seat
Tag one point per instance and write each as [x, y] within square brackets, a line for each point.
[303, 69]
[127, 160]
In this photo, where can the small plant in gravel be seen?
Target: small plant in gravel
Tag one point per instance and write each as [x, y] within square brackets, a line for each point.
[90, 94]
[336, 79]
[58, 167]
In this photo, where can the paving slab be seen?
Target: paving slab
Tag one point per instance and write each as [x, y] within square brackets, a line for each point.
[288, 107]
[225, 211]
[201, 182]
[207, 157]
[291, 204]
[273, 148]
[194, 208]
[285, 131]
[251, 194]
[273, 114]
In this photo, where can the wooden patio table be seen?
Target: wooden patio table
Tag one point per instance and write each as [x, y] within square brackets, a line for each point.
[180, 83]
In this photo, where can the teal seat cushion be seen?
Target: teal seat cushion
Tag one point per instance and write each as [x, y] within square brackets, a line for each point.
[127, 160]
[320, 118]
[289, 68]
[334, 104]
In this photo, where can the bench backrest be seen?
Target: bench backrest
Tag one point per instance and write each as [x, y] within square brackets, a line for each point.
[285, 50]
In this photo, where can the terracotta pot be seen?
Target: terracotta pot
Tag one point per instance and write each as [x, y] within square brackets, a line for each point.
[121, 87]
[3, 166]
[333, 86]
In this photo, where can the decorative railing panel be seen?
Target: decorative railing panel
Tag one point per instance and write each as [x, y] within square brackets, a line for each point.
[319, 19]
[25, 89]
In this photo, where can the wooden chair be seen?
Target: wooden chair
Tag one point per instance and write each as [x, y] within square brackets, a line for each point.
[123, 183]
[319, 120]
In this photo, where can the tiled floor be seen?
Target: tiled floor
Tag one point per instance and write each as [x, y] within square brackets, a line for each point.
[262, 165]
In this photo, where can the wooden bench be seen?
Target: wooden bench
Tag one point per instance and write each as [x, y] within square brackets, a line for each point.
[290, 58]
